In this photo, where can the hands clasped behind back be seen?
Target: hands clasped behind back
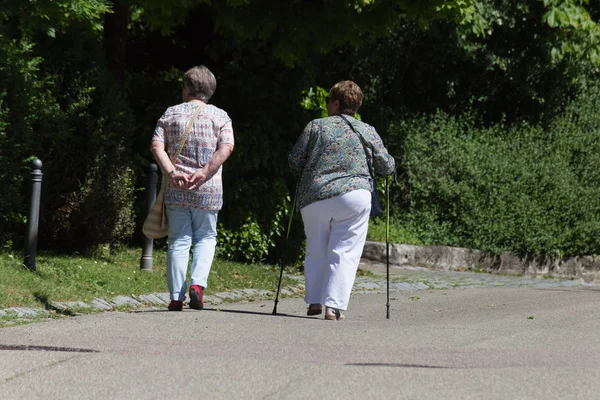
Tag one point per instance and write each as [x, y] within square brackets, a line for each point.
[196, 179]
[189, 181]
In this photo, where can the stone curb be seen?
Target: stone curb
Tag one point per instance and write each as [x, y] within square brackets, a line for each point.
[154, 300]
[431, 257]
[456, 258]
[362, 285]
[373, 251]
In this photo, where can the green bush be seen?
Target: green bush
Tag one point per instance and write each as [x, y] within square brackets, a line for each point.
[17, 67]
[248, 243]
[67, 111]
[251, 242]
[520, 188]
[398, 232]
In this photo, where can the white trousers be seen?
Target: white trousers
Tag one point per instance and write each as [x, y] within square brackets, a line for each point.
[336, 230]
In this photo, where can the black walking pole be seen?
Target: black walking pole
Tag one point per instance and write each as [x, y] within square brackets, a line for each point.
[387, 243]
[287, 237]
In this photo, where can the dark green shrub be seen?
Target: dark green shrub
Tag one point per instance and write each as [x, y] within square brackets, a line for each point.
[69, 113]
[90, 197]
[521, 188]
[251, 242]
[17, 68]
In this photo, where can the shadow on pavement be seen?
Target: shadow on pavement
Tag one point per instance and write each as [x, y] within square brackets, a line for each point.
[228, 311]
[570, 290]
[258, 313]
[395, 365]
[25, 347]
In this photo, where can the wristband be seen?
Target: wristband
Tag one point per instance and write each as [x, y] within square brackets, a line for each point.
[172, 172]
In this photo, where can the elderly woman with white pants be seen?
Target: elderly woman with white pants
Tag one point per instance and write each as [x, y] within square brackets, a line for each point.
[334, 197]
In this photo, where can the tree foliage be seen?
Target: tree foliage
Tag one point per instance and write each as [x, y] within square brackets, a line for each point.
[297, 28]
[30, 17]
[82, 83]
[60, 105]
[581, 34]
[510, 72]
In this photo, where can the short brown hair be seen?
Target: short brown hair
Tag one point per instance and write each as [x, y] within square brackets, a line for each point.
[349, 95]
[200, 82]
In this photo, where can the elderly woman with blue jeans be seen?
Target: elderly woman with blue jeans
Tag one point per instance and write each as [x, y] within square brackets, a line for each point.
[334, 197]
[194, 192]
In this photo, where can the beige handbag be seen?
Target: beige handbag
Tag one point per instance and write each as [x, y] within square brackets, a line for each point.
[156, 224]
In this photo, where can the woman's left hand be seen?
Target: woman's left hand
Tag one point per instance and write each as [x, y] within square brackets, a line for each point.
[198, 178]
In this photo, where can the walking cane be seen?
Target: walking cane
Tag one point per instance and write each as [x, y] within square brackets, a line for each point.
[387, 243]
[287, 237]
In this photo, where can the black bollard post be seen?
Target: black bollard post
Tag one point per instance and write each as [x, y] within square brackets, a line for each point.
[34, 215]
[146, 261]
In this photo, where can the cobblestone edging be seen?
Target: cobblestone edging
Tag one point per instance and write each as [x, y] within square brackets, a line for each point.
[15, 315]
[430, 258]
[455, 258]
[405, 279]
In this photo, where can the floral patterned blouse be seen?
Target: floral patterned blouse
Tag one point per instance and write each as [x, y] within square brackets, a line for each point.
[331, 159]
[211, 129]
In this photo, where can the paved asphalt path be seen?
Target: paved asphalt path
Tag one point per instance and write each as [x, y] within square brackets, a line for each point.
[459, 343]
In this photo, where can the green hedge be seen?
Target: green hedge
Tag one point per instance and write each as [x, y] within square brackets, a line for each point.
[527, 189]
[64, 108]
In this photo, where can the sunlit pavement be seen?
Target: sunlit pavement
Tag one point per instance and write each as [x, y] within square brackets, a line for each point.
[476, 336]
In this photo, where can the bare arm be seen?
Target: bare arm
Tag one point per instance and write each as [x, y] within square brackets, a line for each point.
[162, 158]
[211, 167]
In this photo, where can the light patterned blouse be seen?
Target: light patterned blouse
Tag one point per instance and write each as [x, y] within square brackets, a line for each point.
[331, 160]
[211, 129]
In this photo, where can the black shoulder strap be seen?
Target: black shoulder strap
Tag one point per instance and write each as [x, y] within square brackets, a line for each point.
[362, 141]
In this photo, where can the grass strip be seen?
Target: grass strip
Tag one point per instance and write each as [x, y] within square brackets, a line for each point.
[60, 278]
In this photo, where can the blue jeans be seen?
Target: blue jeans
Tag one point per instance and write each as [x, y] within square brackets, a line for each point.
[189, 226]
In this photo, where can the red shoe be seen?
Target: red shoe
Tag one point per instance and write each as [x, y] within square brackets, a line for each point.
[196, 297]
[175, 305]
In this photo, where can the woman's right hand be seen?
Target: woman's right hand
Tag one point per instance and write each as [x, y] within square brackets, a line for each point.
[179, 179]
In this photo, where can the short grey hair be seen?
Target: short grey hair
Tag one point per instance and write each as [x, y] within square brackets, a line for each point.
[200, 82]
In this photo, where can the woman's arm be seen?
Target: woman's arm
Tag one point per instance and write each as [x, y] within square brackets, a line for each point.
[179, 179]
[383, 163]
[211, 167]
[297, 158]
